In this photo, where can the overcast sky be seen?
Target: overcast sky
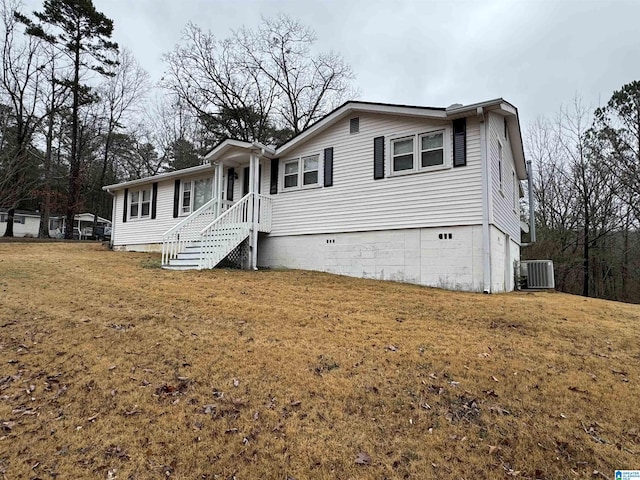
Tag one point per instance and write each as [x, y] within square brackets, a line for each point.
[535, 54]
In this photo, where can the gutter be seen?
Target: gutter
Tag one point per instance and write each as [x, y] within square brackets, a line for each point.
[486, 192]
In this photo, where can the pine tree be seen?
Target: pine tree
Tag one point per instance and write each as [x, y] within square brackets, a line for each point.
[83, 34]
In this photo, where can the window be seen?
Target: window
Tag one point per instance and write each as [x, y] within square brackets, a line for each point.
[291, 174]
[4, 218]
[428, 147]
[202, 192]
[310, 170]
[195, 193]
[431, 150]
[403, 154]
[186, 197]
[506, 132]
[140, 203]
[54, 223]
[302, 172]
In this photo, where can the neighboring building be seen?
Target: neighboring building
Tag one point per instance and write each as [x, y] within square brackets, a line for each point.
[412, 194]
[27, 224]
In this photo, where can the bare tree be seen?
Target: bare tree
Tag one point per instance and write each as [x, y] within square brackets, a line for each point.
[209, 77]
[308, 85]
[20, 82]
[121, 96]
[263, 84]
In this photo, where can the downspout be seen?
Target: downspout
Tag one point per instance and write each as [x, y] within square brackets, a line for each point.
[113, 220]
[486, 192]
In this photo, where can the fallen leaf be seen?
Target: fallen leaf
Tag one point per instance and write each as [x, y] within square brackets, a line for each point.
[494, 379]
[363, 458]
[392, 348]
[499, 410]
[493, 449]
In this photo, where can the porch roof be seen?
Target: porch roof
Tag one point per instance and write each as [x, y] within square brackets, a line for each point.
[233, 152]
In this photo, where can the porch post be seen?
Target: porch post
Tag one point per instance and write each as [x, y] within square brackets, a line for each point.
[217, 189]
[253, 189]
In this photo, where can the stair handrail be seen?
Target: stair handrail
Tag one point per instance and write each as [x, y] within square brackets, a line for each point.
[195, 214]
[238, 219]
[177, 238]
[226, 213]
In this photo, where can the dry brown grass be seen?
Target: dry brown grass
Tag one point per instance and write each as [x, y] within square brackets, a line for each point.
[113, 368]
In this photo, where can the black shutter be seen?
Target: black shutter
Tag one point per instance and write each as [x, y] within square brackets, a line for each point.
[176, 198]
[460, 142]
[124, 210]
[273, 189]
[328, 167]
[245, 181]
[378, 158]
[231, 173]
[154, 200]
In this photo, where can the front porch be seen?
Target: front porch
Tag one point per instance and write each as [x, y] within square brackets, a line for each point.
[219, 227]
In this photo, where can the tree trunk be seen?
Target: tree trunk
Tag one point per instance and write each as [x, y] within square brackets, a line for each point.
[74, 171]
[10, 216]
[585, 257]
[46, 208]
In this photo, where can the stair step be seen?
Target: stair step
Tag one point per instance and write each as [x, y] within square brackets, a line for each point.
[184, 262]
[180, 267]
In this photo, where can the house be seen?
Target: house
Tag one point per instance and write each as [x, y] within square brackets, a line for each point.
[413, 194]
[82, 225]
[27, 224]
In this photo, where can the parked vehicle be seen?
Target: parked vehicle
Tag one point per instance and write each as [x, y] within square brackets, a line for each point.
[102, 233]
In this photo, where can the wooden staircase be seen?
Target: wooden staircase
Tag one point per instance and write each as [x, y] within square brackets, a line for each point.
[190, 246]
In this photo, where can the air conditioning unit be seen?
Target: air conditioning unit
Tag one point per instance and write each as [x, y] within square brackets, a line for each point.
[536, 274]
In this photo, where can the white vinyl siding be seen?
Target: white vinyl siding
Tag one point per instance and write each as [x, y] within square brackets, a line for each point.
[131, 233]
[357, 202]
[503, 194]
[22, 225]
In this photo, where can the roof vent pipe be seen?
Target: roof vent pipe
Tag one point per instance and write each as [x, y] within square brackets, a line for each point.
[532, 206]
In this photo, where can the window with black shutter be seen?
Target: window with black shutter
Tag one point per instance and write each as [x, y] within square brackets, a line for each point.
[460, 142]
[328, 167]
[378, 158]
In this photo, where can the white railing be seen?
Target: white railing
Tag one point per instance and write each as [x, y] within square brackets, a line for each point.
[225, 233]
[216, 236]
[187, 231]
[265, 213]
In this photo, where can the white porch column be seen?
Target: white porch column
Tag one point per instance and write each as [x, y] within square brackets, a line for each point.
[217, 189]
[253, 189]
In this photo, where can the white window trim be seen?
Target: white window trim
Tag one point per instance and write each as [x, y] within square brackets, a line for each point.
[192, 197]
[181, 212]
[300, 185]
[140, 202]
[417, 159]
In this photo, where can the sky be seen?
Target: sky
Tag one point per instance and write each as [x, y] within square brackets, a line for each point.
[536, 54]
